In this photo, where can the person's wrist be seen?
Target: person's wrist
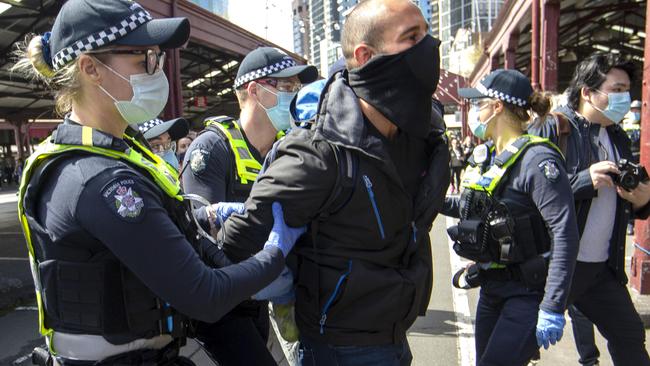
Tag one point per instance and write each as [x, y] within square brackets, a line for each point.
[212, 217]
[273, 247]
[274, 241]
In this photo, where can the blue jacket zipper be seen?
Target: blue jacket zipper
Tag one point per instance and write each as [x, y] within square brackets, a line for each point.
[415, 231]
[329, 302]
[371, 195]
[170, 322]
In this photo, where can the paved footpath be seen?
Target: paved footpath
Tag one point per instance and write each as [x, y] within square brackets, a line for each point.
[446, 335]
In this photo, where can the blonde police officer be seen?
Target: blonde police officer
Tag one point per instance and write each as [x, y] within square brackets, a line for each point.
[113, 254]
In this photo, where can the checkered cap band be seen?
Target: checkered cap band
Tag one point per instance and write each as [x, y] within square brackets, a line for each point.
[266, 70]
[100, 39]
[500, 95]
[144, 127]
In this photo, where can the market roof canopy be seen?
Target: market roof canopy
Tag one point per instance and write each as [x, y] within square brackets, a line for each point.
[207, 65]
[20, 98]
[586, 27]
[447, 91]
[207, 76]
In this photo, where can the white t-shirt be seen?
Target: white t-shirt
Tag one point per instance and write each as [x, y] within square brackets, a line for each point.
[594, 243]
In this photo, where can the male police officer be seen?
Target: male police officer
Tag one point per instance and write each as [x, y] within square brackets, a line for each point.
[224, 161]
[369, 177]
[162, 137]
[598, 100]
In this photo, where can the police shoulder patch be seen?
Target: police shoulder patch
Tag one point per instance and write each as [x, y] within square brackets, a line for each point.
[198, 160]
[122, 197]
[550, 169]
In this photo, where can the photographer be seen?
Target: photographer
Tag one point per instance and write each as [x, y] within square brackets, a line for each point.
[598, 100]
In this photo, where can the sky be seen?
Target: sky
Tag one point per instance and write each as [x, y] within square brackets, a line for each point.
[253, 16]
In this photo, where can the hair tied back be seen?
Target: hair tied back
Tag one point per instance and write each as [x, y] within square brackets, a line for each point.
[38, 53]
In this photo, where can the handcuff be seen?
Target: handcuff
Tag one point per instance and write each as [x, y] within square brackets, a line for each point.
[472, 277]
[222, 233]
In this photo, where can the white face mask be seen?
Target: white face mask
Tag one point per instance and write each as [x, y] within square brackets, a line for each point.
[150, 93]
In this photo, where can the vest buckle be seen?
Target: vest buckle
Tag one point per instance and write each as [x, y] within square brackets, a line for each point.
[506, 245]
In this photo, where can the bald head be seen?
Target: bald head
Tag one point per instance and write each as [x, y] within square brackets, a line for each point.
[379, 25]
[363, 25]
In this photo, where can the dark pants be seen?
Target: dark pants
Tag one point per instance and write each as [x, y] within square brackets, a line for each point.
[607, 303]
[455, 176]
[319, 354]
[583, 334]
[239, 338]
[506, 317]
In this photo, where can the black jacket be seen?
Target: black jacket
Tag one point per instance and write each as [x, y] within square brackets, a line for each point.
[369, 272]
[582, 152]
[457, 158]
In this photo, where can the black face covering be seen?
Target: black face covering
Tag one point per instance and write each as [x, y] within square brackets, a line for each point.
[400, 86]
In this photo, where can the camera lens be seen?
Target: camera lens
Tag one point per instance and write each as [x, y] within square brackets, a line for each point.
[629, 181]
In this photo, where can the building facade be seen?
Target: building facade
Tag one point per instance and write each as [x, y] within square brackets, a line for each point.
[301, 29]
[477, 16]
[326, 18]
[219, 7]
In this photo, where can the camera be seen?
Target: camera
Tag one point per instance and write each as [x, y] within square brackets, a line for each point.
[630, 175]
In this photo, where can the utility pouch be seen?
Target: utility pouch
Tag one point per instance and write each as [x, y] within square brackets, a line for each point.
[470, 240]
[502, 229]
[42, 357]
[533, 273]
[470, 232]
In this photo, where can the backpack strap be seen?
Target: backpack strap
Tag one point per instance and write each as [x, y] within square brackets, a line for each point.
[348, 173]
[563, 128]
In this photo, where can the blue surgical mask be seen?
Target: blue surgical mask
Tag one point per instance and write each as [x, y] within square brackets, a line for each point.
[477, 127]
[279, 114]
[637, 116]
[617, 106]
[170, 157]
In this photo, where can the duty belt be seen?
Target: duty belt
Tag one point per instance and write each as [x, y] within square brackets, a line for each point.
[510, 273]
[167, 356]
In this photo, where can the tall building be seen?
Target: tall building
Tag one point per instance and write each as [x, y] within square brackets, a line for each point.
[476, 16]
[219, 7]
[434, 24]
[301, 27]
[326, 18]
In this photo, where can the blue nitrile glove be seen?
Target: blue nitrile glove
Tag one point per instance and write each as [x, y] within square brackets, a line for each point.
[224, 209]
[282, 236]
[549, 328]
[280, 290]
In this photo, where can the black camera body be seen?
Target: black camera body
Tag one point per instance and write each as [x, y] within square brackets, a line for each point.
[630, 175]
[470, 240]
